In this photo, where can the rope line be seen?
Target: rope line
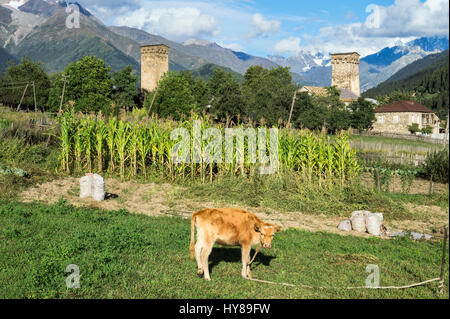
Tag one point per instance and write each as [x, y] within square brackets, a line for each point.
[360, 287]
[14, 83]
[12, 87]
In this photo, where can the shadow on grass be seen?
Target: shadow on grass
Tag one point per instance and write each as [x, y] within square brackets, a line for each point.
[233, 255]
[110, 196]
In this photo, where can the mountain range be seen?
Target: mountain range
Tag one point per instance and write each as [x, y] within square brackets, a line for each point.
[36, 28]
[411, 76]
[5, 57]
[373, 69]
[427, 79]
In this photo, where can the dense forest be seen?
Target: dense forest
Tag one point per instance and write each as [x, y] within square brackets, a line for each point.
[426, 81]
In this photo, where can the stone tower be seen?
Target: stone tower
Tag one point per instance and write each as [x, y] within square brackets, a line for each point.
[345, 71]
[154, 63]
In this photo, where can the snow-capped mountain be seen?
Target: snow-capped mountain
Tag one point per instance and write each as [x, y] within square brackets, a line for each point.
[373, 69]
[303, 62]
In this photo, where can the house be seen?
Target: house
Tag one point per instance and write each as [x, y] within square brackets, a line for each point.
[347, 96]
[316, 90]
[397, 116]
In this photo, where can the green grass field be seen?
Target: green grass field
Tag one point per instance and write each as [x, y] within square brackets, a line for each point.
[395, 141]
[123, 255]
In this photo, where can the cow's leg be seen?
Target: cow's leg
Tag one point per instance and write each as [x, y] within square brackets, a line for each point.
[206, 250]
[245, 250]
[198, 250]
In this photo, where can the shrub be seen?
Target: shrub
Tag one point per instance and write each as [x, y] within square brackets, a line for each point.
[427, 130]
[436, 165]
[414, 128]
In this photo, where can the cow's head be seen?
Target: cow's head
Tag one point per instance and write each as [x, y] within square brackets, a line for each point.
[267, 231]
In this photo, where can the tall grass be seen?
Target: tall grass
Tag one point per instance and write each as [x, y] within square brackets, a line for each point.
[130, 148]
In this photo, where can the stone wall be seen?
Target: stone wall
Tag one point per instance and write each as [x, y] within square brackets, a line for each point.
[154, 63]
[398, 122]
[345, 71]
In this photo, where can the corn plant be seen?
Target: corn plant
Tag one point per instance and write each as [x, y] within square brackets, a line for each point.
[111, 141]
[66, 122]
[123, 135]
[100, 138]
[132, 146]
[143, 146]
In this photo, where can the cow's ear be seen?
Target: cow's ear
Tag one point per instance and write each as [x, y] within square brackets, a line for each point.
[278, 228]
[257, 227]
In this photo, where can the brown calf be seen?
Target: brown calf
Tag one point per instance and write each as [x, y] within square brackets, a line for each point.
[228, 227]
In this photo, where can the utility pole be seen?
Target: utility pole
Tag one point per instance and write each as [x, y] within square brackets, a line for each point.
[34, 96]
[21, 99]
[63, 90]
[292, 107]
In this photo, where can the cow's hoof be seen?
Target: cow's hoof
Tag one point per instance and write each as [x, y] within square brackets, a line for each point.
[200, 272]
[209, 279]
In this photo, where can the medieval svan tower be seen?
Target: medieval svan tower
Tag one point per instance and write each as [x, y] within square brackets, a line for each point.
[154, 63]
[345, 71]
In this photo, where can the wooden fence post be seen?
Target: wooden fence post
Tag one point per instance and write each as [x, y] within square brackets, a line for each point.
[21, 99]
[292, 107]
[430, 190]
[34, 97]
[441, 281]
[63, 90]
[377, 173]
[151, 104]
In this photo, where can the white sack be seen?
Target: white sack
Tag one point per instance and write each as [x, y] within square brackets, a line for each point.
[98, 188]
[345, 225]
[373, 224]
[358, 220]
[85, 187]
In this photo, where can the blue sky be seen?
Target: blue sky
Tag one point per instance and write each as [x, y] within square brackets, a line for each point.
[282, 27]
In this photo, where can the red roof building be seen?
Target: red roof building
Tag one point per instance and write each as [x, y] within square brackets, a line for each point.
[397, 116]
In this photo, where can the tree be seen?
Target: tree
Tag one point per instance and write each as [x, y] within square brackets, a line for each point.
[362, 114]
[89, 85]
[268, 93]
[174, 97]
[17, 75]
[227, 102]
[2, 87]
[124, 88]
[310, 111]
[199, 88]
[339, 119]
[55, 92]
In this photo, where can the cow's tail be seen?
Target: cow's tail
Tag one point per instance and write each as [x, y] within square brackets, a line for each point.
[191, 248]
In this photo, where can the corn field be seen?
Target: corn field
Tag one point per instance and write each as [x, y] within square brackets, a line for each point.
[131, 148]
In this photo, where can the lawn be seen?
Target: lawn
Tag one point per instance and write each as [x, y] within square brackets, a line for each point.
[123, 255]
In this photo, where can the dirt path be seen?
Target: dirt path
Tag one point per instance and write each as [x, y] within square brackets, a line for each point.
[164, 200]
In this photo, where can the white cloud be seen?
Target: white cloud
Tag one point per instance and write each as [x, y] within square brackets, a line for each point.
[176, 21]
[289, 46]
[406, 18]
[262, 27]
[384, 26]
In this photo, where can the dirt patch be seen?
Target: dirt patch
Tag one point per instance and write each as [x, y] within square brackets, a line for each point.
[164, 200]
